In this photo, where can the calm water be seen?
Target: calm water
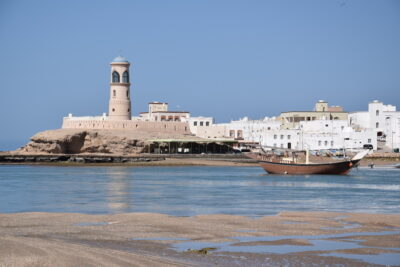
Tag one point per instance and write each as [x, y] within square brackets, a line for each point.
[186, 191]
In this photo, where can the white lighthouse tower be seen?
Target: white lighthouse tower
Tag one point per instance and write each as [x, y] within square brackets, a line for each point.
[120, 99]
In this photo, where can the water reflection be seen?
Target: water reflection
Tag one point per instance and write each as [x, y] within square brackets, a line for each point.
[118, 189]
[187, 191]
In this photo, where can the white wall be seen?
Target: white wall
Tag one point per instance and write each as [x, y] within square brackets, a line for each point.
[379, 118]
[392, 129]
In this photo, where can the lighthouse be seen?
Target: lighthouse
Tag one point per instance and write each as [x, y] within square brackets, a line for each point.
[120, 98]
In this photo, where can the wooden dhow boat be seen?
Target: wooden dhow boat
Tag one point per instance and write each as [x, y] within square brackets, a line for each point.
[294, 162]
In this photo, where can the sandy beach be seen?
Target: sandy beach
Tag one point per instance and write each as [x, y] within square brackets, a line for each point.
[151, 239]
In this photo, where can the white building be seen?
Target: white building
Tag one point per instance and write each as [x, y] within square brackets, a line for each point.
[384, 120]
[332, 132]
[250, 130]
[319, 134]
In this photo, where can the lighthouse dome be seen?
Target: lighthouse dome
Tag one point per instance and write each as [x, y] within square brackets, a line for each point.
[120, 59]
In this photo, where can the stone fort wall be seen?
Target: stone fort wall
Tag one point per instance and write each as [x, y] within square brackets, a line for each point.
[102, 123]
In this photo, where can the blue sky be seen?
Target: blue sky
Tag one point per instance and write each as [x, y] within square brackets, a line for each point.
[225, 59]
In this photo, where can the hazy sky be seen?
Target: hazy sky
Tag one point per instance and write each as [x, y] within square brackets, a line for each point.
[225, 59]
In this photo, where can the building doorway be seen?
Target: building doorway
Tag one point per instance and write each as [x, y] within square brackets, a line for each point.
[289, 145]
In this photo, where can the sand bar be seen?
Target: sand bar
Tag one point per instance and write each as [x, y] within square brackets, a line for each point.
[150, 239]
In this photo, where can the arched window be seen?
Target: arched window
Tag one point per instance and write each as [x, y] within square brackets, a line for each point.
[125, 77]
[115, 77]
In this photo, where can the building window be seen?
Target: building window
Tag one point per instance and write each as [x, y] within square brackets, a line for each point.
[369, 141]
[326, 143]
[127, 94]
[125, 77]
[114, 93]
[232, 133]
[331, 143]
[201, 123]
[115, 77]
[207, 123]
[377, 112]
[274, 144]
[319, 143]
[113, 109]
[281, 145]
[288, 137]
[377, 125]
[129, 109]
[281, 136]
[195, 123]
[275, 136]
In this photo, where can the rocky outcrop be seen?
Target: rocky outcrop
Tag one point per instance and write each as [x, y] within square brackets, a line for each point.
[56, 142]
[76, 141]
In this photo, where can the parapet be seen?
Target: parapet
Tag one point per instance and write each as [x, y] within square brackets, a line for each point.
[103, 123]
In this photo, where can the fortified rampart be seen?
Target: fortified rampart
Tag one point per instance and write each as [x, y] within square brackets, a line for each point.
[102, 123]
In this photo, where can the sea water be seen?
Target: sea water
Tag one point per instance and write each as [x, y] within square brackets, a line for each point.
[187, 191]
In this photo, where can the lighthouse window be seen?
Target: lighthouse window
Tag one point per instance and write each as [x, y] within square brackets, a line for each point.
[115, 77]
[113, 109]
[114, 93]
[125, 77]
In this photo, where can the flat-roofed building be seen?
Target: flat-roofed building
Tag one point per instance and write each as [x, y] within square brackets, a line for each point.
[158, 111]
[381, 118]
[322, 111]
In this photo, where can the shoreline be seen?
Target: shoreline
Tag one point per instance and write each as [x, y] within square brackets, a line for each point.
[51, 160]
[154, 239]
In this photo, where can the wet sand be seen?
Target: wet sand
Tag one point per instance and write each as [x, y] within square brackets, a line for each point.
[149, 239]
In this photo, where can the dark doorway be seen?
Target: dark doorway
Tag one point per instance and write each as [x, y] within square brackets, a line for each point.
[289, 145]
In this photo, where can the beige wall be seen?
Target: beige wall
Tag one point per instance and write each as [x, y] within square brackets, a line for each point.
[321, 106]
[155, 107]
[210, 132]
[165, 127]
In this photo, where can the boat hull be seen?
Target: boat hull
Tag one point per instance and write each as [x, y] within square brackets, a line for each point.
[342, 167]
